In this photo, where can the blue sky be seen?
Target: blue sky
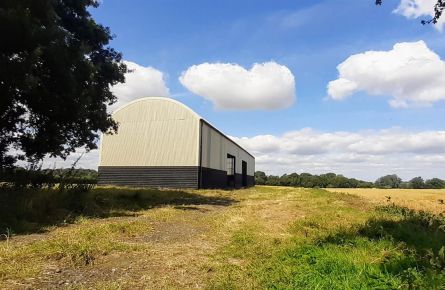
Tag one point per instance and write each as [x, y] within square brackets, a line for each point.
[310, 38]
[173, 35]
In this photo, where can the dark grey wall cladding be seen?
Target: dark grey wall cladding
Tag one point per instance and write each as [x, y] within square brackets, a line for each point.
[239, 180]
[167, 177]
[149, 176]
[213, 178]
[250, 181]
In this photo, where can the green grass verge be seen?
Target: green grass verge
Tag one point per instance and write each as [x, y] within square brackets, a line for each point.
[340, 246]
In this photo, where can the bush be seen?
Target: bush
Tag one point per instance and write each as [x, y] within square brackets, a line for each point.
[36, 178]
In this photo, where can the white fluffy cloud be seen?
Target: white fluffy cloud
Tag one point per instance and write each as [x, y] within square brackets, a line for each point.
[265, 86]
[139, 82]
[411, 73]
[412, 9]
[364, 154]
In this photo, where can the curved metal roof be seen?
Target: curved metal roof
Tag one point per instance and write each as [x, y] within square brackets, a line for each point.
[158, 99]
[193, 113]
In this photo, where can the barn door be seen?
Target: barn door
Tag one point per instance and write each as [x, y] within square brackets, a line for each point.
[244, 172]
[230, 168]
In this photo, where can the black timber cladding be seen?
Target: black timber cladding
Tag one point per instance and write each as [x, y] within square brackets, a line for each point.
[167, 177]
[149, 176]
[215, 178]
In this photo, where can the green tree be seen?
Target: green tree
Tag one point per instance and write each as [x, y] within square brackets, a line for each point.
[405, 185]
[294, 179]
[435, 183]
[417, 182]
[365, 184]
[309, 180]
[273, 180]
[260, 177]
[285, 180]
[327, 180]
[56, 69]
[388, 181]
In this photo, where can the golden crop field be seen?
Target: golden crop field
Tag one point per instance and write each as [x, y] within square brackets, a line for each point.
[432, 200]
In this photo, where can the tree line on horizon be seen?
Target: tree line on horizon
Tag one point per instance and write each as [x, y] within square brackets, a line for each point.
[332, 180]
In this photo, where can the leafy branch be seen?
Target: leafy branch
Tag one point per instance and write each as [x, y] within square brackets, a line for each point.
[438, 10]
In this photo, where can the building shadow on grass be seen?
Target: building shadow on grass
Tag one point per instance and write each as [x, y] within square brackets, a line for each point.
[31, 211]
[415, 232]
[421, 231]
[418, 237]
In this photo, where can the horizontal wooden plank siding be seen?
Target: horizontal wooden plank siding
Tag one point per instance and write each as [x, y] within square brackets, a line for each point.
[149, 176]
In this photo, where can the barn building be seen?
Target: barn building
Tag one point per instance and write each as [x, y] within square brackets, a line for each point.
[163, 143]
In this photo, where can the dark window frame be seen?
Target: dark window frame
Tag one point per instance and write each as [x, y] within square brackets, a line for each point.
[231, 180]
[233, 165]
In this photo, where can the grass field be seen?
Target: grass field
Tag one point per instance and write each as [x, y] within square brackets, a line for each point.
[262, 237]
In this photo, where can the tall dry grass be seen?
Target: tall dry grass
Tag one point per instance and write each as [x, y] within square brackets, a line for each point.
[432, 200]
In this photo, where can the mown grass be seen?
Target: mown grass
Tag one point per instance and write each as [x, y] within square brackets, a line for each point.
[257, 238]
[73, 229]
[28, 211]
[76, 246]
[340, 245]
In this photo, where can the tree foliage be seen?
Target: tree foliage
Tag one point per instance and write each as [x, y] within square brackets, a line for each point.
[332, 180]
[309, 180]
[435, 183]
[388, 181]
[417, 182]
[56, 69]
[438, 10]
